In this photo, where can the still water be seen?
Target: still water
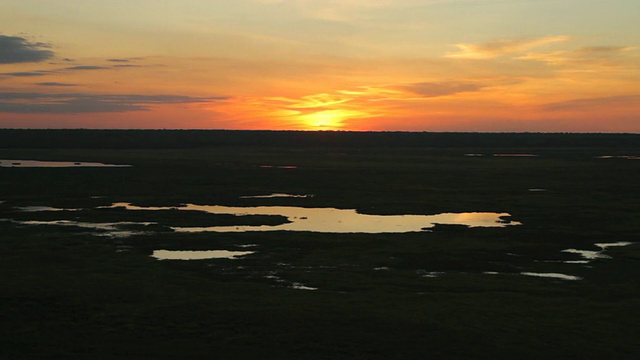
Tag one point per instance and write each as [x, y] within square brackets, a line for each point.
[114, 230]
[332, 220]
[627, 157]
[49, 164]
[198, 254]
[589, 255]
[552, 275]
[276, 195]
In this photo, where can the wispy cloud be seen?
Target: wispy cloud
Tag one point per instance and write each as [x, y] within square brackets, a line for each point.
[323, 110]
[27, 73]
[348, 10]
[500, 47]
[609, 103]
[126, 66]
[15, 49]
[343, 107]
[316, 101]
[66, 70]
[434, 89]
[53, 83]
[588, 55]
[86, 67]
[601, 50]
[74, 103]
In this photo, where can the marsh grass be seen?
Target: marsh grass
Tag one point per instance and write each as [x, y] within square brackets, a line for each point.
[67, 293]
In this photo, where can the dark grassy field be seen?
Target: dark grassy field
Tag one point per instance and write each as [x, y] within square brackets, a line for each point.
[68, 293]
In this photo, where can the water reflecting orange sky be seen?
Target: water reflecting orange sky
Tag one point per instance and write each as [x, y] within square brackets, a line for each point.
[332, 220]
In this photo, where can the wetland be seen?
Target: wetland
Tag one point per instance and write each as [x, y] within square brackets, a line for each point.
[345, 245]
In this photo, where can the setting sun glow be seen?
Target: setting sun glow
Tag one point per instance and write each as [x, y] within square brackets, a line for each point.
[326, 119]
[410, 65]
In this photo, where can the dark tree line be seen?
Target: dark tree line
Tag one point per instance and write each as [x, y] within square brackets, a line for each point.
[158, 139]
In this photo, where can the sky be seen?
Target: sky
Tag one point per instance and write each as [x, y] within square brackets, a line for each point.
[361, 65]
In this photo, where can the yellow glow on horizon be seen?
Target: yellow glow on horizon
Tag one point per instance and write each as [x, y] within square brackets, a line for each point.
[329, 119]
[335, 110]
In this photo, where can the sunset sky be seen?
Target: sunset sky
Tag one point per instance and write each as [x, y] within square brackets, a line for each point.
[416, 65]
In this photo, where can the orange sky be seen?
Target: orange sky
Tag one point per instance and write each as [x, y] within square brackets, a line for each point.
[430, 65]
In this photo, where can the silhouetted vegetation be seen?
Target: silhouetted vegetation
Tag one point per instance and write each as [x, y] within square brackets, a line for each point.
[453, 293]
[177, 139]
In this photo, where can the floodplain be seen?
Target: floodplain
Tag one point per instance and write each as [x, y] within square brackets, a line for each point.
[193, 250]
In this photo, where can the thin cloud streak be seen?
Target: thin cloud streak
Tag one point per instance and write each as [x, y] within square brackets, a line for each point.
[435, 89]
[86, 67]
[500, 47]
[598, 56]
[66, 69]
[28, 73]
[53, 83]
[589, 104]
[75, 103]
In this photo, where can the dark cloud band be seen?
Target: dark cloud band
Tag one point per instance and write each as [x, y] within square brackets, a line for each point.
[53, 83]
[75, 103]
[86, 67]
[14, 49]
[28, 73]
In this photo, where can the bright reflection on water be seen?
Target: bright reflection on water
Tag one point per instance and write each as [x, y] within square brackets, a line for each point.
[36, 163]
[300, 286]
[628, 157]
[198, 255]
[552, 275]
[604, 246]
[277, 195]
[535, 274]
[331, 220]
[429, 274]
[589, 255]
[278, 166]
[114, 230]
[41, 208]
[515, 155]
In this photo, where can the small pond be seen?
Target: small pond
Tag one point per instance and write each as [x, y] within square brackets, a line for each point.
[589, 255]
[198, 254]
[515, 155]
[54, 164]
[114, 230]
[332, 220]
[627, 157]
[278, 166]
[552, 275]
[276, 195]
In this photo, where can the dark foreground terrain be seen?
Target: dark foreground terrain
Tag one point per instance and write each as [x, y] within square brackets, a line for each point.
[68, 292]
